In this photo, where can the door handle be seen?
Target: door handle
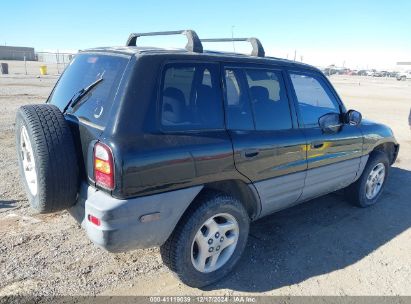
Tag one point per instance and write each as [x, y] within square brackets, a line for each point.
[251, 153]
[317, 144]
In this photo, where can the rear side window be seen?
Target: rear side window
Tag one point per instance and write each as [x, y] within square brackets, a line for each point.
[269, 100]
[191, 97]
[238, 109]
[83, 70]
[314, 98]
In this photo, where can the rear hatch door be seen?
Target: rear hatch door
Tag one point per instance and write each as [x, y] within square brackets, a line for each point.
[89, 117]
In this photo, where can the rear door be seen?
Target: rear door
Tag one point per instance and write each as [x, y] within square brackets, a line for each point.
[269, 149]
[190, 145]
[333, 159]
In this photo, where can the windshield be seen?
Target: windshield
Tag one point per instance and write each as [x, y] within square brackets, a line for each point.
[83, 70]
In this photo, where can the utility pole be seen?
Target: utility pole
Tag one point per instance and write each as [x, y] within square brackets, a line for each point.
[295, 55]
[232, 36]
[25, 64]
[57, 61]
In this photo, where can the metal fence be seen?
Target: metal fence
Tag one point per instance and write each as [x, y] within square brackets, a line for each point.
[30, 65]
[55, 63]
[59, 60]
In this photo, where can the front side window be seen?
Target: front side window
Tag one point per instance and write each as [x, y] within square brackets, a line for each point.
[314, 98]
[191, 98]
[268, 99]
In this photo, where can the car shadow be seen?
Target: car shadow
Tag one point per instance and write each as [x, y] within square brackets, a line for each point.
[318, 237]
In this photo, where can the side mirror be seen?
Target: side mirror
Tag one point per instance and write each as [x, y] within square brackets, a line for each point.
[330, 123]
[353, 117]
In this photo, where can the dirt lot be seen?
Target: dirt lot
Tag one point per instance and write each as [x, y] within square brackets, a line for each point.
[323, 247]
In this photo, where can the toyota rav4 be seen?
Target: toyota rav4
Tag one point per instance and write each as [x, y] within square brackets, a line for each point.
[183, 148]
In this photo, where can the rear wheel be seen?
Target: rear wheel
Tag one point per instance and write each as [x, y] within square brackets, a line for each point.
[208, 241]
[46, 157]
[368, 188]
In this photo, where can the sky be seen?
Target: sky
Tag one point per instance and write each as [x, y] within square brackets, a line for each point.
[358, 34]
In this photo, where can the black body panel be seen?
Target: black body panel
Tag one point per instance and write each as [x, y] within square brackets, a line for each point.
[149, 160]
[162, 162]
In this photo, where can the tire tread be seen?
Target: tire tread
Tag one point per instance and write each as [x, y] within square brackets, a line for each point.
[170, 253]
[355, 192]
[56, 160]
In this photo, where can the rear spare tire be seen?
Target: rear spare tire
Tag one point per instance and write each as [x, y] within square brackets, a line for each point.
[46, 157]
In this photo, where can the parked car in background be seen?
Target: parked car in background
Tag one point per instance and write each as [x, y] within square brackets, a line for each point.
[404, 75]
[347, 72]
[409, 119]
[370, 72]
[326, 71]
[362, 73]
[393, 74]
[332, 71]
[385, 74]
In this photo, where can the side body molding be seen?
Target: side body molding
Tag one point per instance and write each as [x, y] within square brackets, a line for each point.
[330, 178]
[280, 192]
[285, 191]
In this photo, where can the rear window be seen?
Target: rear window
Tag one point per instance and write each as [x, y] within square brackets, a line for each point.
[83, 70]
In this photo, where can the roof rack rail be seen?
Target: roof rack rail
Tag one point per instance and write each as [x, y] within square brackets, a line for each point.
[193, 42]
[257, 51]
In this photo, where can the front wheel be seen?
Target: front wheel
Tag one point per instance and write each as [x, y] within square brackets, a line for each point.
[209, 240]
[368, 188]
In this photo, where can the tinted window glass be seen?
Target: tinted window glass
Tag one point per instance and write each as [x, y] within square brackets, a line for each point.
[238, 112]
[191, 98]
[83, 70]
[314, 98]
[268, 100]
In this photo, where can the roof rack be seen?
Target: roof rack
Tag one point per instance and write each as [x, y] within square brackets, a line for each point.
[193, 42]
[257, 51]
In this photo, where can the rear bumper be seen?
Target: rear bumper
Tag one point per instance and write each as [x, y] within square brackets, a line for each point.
[131, 223]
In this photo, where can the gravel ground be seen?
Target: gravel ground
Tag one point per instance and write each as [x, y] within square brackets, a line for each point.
[323, 247]
[49, 254]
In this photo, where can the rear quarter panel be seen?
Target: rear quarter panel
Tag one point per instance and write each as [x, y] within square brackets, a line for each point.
[156, 163]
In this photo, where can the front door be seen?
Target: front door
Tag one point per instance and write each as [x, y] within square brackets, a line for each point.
[269, 148]
[333, 159]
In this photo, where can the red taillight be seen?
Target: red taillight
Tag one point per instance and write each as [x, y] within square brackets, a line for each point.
[103, 166]
[96, 221]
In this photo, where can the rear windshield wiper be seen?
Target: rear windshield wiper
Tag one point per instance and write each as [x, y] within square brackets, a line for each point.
[80, 94]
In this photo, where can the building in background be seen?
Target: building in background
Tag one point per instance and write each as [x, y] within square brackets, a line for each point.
[404, 65]
[17, 53]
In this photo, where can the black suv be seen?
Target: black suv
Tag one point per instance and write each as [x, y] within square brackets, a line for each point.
[183, 148]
